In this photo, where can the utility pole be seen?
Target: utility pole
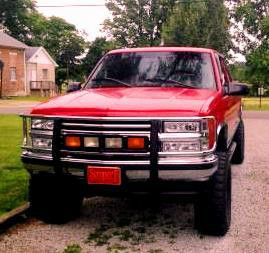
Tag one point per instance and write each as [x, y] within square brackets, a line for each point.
[1, 77]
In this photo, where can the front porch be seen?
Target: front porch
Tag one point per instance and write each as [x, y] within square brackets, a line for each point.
[43, 88]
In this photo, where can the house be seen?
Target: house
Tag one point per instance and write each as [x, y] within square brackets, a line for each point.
[27, 70]
[12, 54]
[40, 72]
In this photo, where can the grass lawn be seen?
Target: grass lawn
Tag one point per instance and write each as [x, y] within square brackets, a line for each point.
[13, 178]
[30, 98]
[253, 104]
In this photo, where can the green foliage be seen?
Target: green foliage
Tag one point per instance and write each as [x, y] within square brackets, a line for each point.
[238, 72]
[202, 24]
[73, 248]
[253, 16]
[258, 65]
[137, 22]
[13, 178]
[14, 17]
[60, 38]
[64, 43]
[98, 48]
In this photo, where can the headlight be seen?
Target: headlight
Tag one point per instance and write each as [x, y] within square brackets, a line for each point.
[181, 127]
[188, 136]
[37, 133]
[42, 124]
[42, 143]
[181, 146]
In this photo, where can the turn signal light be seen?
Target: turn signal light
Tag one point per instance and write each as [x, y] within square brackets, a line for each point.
[136, 143]
[72, 141]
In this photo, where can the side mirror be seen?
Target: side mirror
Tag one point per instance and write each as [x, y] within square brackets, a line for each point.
[73, 87]
[238, 89]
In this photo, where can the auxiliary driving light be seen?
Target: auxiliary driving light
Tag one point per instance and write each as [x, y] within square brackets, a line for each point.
[91, 142]
[136, 143]
[72, 141]
[113, 143]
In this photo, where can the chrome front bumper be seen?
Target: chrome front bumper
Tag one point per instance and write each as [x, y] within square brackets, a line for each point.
[183, 168]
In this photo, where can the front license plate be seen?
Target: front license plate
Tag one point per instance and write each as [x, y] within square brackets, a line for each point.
[104, 175]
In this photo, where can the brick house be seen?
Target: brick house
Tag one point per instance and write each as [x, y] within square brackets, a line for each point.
[12, 54]
[27, 70]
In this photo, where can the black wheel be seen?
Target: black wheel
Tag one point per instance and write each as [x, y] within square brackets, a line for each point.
[213, 207]
[239, 138]
[55, 199]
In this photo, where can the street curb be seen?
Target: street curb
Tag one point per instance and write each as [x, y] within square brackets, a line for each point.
[13, 213]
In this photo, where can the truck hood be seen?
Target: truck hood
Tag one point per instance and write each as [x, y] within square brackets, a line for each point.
[131, 102]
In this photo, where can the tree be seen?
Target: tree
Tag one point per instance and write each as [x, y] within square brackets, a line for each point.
[203, 24]
[64, 43]
[137, 22]
[14, 15]
[253, 17]
[258, 65]
[254, 35]
[98, 48]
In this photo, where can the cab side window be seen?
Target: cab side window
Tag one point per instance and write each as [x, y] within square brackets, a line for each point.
[220, 69]
[224, 69]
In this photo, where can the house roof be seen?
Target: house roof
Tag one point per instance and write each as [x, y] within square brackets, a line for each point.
[8, 41]
[32, 51]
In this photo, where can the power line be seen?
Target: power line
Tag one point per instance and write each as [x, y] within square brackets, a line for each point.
[103, 5]
[70, 5]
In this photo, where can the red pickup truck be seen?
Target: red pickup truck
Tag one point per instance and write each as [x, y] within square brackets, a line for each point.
[151, 120]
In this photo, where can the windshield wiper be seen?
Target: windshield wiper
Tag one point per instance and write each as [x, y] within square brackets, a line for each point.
[111, 79]
[163, 81]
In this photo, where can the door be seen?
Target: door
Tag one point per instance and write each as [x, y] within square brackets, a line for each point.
[232, 104]
[33, 79]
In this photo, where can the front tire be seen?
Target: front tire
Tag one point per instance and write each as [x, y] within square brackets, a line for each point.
[55, 199]
[213, 208]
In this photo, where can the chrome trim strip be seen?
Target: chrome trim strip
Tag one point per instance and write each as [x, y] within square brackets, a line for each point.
[138, 174]
[96, 162]
[41, 132]
[103, 153]
[184, 136]
[121, 133]
[211, 159]
[138, 126]
[187, 175]
[30, 149]
[117, 118]
[27, 154]
[189, 154]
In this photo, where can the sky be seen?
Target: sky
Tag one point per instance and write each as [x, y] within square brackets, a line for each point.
[88, 19]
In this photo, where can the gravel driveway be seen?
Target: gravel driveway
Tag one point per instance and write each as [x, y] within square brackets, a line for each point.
[113, 225]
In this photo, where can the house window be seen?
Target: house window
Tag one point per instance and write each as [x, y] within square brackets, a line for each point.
[45, 74]
[13, 74]
[13, 53]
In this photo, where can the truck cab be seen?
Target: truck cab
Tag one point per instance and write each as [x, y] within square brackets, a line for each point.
[151, 120]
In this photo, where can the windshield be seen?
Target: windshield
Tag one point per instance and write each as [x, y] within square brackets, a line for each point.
[160, 69]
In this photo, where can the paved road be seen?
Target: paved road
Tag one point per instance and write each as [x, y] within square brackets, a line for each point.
[16, 107]
[135, 226]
